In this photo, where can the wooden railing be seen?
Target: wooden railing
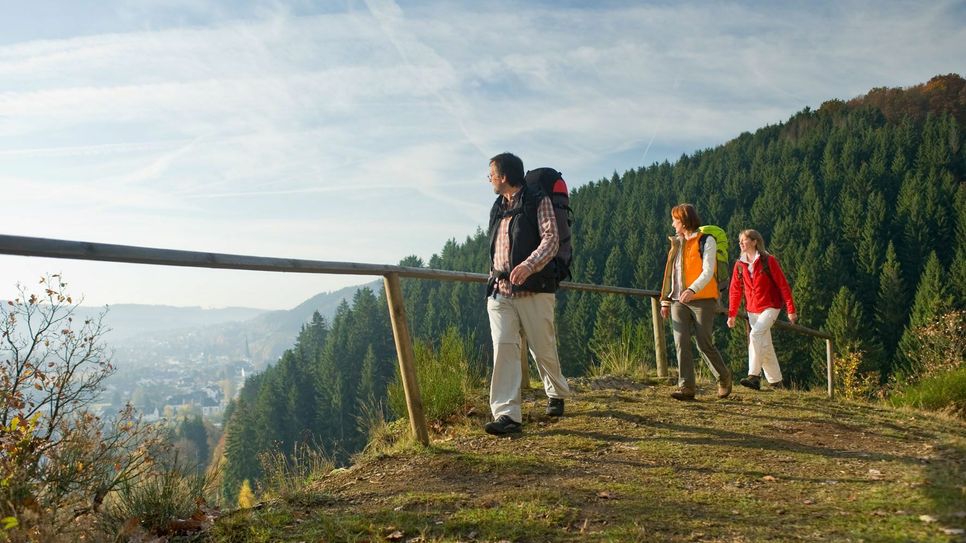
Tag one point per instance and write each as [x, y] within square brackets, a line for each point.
[83, 250]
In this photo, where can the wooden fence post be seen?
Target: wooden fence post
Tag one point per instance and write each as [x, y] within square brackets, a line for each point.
[404, 351]
[830, 362]
[660, 351]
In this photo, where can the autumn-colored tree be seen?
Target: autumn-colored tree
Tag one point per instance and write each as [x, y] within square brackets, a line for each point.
[246, 498]
[60, 458]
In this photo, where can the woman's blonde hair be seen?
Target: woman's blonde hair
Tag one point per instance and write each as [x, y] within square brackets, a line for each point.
[759, 241]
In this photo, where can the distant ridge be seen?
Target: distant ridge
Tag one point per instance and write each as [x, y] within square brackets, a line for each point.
[130, 320]
[941, 94]
[235, 332]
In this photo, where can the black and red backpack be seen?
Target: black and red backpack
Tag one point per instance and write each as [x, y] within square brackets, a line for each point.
[550, 182]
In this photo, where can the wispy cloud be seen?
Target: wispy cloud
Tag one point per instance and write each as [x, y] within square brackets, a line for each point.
[276, 127]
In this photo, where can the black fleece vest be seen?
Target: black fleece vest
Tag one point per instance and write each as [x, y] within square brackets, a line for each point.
[524, 238]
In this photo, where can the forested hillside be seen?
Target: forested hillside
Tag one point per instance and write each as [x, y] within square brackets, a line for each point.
[863, 201]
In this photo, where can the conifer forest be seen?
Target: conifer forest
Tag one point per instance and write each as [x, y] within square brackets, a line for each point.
[862, 201]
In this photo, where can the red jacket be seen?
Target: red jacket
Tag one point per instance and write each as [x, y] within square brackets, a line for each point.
[763, 290]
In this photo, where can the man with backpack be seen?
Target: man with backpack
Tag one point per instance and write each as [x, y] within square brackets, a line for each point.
[524, 238]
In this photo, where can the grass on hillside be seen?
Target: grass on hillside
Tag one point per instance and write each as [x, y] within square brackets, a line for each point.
[627, 463]
[944, 392]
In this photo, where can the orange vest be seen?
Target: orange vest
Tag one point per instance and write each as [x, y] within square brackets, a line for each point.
[691, 268]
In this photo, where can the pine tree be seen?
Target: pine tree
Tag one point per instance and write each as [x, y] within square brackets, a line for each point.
[957, 277]
[368, 380]
[241, 452]
[869, 249]
[931, 301]
[890, 308]
[611, 315]
[957, 269]
[614, 309]
[849, 326]
[574, 328]
[913, 227]
[193, 430]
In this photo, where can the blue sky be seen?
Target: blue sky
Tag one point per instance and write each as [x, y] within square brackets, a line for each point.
[360, 131]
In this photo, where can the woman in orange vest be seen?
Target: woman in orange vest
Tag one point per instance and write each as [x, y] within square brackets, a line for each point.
[689, 294]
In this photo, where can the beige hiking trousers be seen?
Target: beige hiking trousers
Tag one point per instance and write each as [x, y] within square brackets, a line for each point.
[533, 314]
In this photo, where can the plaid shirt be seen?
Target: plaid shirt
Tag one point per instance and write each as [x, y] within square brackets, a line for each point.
[544, 253]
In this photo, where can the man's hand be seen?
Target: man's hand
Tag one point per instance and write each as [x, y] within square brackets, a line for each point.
[665, 311]
[793, 318]
[731, 322]
[520, 273]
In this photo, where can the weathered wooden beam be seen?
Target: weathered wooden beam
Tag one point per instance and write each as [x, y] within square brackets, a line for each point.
[407, 359]
[829, 366]
[84, 250]
[660, 344]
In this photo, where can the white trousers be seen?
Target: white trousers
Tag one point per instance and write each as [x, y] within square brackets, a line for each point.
[534, 314]
[761, 351]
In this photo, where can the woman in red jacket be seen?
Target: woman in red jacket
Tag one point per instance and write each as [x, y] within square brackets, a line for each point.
[759, 277]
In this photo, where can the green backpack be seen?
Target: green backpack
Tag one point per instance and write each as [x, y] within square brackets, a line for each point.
[721, 238]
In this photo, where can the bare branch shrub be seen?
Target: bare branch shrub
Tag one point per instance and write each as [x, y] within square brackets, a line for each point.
[942, 344]
[60, 459]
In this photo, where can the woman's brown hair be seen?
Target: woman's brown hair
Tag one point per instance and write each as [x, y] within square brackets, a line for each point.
[687, 215]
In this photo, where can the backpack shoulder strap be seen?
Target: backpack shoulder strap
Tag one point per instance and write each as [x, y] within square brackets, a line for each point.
[529, 198]
[764, 265]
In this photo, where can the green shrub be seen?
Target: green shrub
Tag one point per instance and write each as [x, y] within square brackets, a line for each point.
[171, 490]
[446, 381]
[619, 357]
[937, 381]
[852, 383]
[290, 477]
[381, 434]
[944, 392]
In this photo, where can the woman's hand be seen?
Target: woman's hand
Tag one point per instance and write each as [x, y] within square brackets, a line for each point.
[793, 318]
[665, 311]
[731, 322]
[686, 296]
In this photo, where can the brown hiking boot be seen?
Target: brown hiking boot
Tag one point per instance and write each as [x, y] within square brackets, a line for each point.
[683, 394]
[724, 388]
